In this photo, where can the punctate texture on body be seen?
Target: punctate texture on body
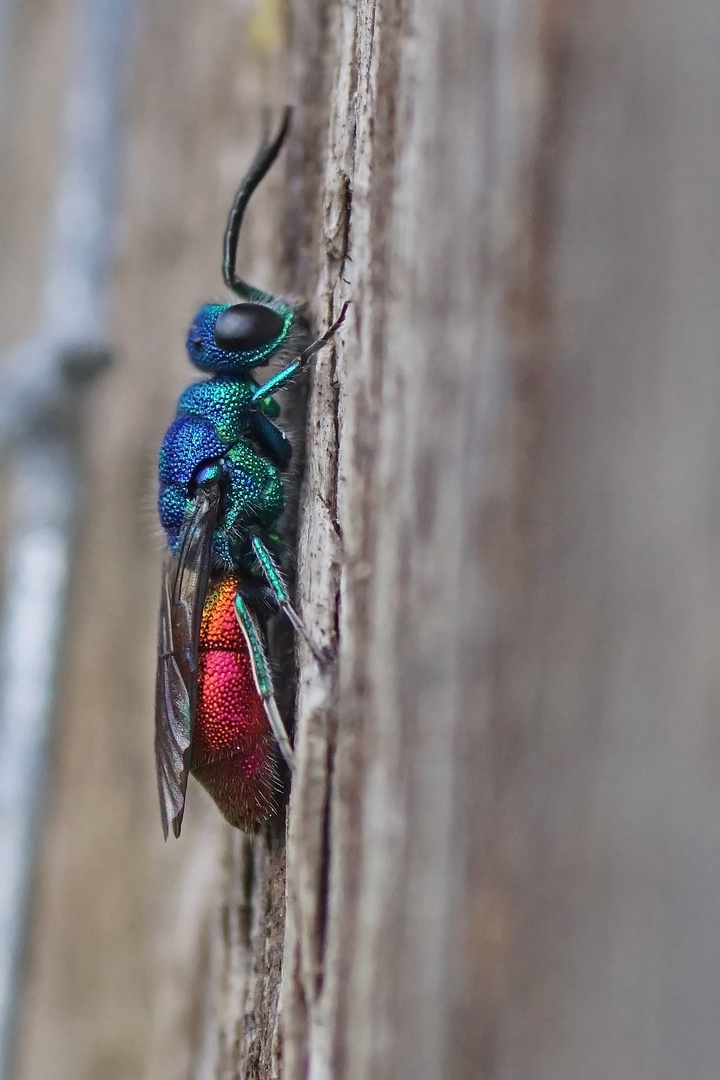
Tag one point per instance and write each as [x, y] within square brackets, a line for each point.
[233, 754]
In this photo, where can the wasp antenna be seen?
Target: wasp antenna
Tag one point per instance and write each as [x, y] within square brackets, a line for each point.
[264, 157]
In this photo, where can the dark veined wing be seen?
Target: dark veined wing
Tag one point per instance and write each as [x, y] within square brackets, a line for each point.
[184, 588]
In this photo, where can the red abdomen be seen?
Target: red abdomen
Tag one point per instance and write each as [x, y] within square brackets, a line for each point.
[233, 752]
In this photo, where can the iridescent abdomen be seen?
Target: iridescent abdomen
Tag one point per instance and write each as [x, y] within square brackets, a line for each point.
[233, 753]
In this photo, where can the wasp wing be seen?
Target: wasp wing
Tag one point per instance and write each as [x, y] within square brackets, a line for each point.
[184, 588]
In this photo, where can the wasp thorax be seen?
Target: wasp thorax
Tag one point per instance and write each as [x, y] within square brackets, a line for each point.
[244, 327]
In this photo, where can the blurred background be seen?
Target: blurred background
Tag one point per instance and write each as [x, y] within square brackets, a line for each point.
[163, 100]
[504, 831]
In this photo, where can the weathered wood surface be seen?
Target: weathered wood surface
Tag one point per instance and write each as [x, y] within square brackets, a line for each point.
[515, 873]
[504, 834]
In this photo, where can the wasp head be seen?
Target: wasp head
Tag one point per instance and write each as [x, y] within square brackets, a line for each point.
[230, 339]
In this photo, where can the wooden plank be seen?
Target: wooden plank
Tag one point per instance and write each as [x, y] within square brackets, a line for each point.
[520, 863]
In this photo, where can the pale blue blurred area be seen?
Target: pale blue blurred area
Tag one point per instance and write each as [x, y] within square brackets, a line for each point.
[42, 380]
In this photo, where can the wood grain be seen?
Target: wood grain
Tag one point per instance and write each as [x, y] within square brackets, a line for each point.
[513, 872]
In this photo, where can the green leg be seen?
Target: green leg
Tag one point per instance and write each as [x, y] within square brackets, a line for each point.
[263, 679]
[287, 374]
[276, 583]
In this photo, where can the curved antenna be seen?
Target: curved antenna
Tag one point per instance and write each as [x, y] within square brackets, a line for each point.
[264, 157]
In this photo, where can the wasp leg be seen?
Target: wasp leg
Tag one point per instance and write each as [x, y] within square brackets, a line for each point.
[274, 442]
[284, 377]
[260, 593]
[263, 679]
[276, 583]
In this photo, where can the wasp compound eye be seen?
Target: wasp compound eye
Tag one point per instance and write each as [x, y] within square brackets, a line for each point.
[244, 327]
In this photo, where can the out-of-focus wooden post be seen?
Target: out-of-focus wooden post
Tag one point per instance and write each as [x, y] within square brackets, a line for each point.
[504, 854]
